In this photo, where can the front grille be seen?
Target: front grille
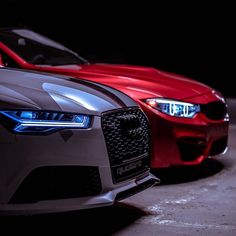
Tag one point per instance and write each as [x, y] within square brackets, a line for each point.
[191, 148]
[218, 146]
[127, 137]
[214, 110]
[58, 182]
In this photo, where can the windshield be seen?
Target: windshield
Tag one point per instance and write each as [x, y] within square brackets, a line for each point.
[37, 49]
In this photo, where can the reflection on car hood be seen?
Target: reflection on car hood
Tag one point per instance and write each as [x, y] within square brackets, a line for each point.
[145, 82]
[21, 89]
[136, 81]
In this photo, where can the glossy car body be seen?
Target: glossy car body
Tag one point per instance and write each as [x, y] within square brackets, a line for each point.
[176, 140]
[56, 150]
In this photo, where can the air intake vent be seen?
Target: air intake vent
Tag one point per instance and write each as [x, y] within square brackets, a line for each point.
[214, 110]
[58, 182]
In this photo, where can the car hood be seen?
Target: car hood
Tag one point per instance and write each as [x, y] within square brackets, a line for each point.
[146, 82]
[29, 90]
[138, 82]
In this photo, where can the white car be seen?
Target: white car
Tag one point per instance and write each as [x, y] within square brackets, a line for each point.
[68, 144]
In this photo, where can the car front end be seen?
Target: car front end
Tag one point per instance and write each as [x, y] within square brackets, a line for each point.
[67, 145]
[188, 140]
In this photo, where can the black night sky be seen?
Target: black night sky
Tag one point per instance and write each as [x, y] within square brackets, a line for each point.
[193, 39]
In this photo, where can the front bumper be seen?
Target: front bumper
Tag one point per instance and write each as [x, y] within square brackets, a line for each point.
[21, 155]
[106, 198]
[183, 141]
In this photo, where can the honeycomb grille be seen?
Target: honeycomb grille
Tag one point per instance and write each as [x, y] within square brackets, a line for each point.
[127, 137]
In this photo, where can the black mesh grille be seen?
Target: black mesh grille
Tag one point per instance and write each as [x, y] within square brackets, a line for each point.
[214, 110]
[58, 182]
[127, 136]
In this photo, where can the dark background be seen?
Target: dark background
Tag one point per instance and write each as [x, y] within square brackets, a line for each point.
[193, 39]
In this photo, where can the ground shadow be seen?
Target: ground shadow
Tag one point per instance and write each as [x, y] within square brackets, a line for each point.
[176, 175]
[98, 221]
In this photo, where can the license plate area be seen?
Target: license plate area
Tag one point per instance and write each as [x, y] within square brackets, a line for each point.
[130, 169]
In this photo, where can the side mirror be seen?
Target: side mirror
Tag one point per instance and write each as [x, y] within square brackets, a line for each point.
[1, 61]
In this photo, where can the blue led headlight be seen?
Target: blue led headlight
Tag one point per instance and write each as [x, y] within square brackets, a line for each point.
[174, 108]
[42, 121]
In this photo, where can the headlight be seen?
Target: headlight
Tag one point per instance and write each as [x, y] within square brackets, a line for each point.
[41, 122]
[173, 108]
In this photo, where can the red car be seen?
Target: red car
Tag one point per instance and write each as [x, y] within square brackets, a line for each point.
[189, 120]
